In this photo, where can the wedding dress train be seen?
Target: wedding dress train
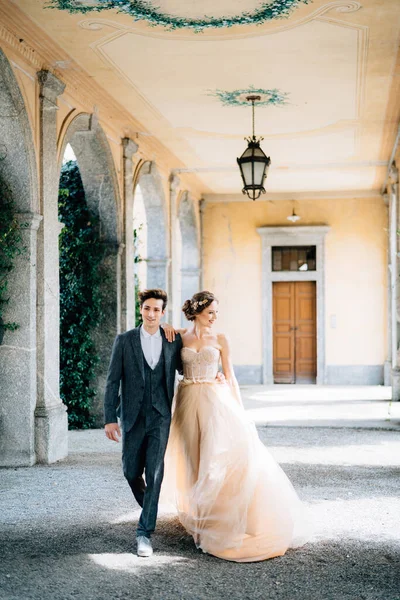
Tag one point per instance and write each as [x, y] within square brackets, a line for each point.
[229, 492]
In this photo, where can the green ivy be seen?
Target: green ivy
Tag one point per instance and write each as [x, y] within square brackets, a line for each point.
[11, 246]
[142, 10]
[81, 253]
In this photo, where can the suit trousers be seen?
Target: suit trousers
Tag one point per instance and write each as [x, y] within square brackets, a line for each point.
[143, 450]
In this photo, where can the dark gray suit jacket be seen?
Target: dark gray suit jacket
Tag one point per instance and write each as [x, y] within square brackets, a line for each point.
[127, 368]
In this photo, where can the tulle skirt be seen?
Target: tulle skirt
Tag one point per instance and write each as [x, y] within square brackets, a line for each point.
[229, 492]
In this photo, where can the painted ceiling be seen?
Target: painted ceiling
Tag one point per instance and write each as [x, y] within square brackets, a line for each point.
[326, 72]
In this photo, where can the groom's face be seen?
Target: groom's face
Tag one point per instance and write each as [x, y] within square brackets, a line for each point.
[152, 311]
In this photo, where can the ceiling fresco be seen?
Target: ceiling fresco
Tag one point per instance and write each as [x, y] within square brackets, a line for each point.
[326, 72]
[175, 14]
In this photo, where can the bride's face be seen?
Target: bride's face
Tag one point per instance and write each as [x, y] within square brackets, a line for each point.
[208, 316]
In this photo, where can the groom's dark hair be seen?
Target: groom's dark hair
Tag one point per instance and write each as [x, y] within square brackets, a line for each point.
[157, 294]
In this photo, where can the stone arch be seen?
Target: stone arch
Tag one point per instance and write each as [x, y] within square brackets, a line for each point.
[18, 359]
[96, 166]
[18, 164]
[190, 248]
[157, 255]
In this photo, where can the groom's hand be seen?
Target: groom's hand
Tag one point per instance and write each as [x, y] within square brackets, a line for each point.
[220, 377]
[113, 431]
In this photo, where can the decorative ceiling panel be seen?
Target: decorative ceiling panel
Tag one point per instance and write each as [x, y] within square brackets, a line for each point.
[294, 61]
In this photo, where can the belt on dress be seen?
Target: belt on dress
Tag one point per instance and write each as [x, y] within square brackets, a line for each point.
[185, 381]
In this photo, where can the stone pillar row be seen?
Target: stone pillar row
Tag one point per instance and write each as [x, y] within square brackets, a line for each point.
[33, 415]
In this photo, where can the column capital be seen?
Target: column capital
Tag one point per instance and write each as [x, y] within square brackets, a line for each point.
[191, 271]
[157, 262]
[174, 182]
[129, 147]
[393, 173]
[50, 86]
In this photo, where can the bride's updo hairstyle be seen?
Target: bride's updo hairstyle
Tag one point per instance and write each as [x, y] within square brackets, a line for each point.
[197, 304]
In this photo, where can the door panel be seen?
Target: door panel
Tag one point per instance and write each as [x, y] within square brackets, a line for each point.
[294, 332]
[305, 316]
[283, 333]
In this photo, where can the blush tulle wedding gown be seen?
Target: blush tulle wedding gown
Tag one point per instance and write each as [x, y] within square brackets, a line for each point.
[229, 492]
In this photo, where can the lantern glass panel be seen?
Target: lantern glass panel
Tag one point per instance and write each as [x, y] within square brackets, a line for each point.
[259, 173]
[247, 172]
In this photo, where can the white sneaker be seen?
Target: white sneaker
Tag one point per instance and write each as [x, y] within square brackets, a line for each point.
[144, 547]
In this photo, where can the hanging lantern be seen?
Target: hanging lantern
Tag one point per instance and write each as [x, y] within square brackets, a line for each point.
[293, 217]
[253, 163]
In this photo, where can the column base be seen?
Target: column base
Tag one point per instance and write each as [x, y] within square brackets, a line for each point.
[51, 433]
[387, 372]
[17, 459]
[396, 385]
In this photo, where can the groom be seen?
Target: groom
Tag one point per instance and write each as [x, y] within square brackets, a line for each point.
[144, 363]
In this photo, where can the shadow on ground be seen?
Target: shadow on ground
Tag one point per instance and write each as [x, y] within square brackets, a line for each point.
[68, 529]
[95, 563]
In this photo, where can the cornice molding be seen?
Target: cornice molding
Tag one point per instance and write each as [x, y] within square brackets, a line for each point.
[289, 196]
[16, 43]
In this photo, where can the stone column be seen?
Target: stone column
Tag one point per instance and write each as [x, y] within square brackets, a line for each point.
[387, 369]
[105, 332]
[50, 416]
[174, 300]
[190, 285]
[128, 262]
[202, 209]
[18, 355]
[394, 270]
[157, 273]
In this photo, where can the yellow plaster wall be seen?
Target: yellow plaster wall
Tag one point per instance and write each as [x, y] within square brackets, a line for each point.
[356, 273]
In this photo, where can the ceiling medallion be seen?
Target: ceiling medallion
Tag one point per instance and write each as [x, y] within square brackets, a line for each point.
[272, 97]
[142, 10]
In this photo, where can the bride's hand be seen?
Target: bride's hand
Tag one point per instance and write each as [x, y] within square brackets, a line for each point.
[220, 377]
[169, 332]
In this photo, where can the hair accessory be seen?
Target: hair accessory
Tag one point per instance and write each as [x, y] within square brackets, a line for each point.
[198, 303]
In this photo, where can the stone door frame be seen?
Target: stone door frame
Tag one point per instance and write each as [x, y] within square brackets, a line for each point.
[292, 236]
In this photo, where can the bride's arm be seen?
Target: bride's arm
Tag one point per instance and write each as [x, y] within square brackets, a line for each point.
[170, 332]
[227, 367]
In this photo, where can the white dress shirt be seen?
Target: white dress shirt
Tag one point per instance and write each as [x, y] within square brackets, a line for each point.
[151, 346]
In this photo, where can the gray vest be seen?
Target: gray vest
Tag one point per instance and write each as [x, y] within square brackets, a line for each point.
[155, 394]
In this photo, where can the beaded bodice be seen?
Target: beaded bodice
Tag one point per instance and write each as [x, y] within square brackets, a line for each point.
[202, 365]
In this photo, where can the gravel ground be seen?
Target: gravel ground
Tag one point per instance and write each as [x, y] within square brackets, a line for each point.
[68, 529]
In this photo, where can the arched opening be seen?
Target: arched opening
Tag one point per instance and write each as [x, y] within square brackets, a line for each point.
[189, 268]
[18, 360]
[80, 255]
[149, 222]
[85, 141]
[140, 235]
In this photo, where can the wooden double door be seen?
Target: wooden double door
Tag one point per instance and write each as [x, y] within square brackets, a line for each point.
[294, 332]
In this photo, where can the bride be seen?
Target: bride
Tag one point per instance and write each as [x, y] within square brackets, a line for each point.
[229, 492]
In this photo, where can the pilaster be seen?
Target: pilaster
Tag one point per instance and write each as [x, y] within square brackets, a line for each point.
[51, 422]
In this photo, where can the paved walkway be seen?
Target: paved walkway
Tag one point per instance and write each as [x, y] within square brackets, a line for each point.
[67, 529]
